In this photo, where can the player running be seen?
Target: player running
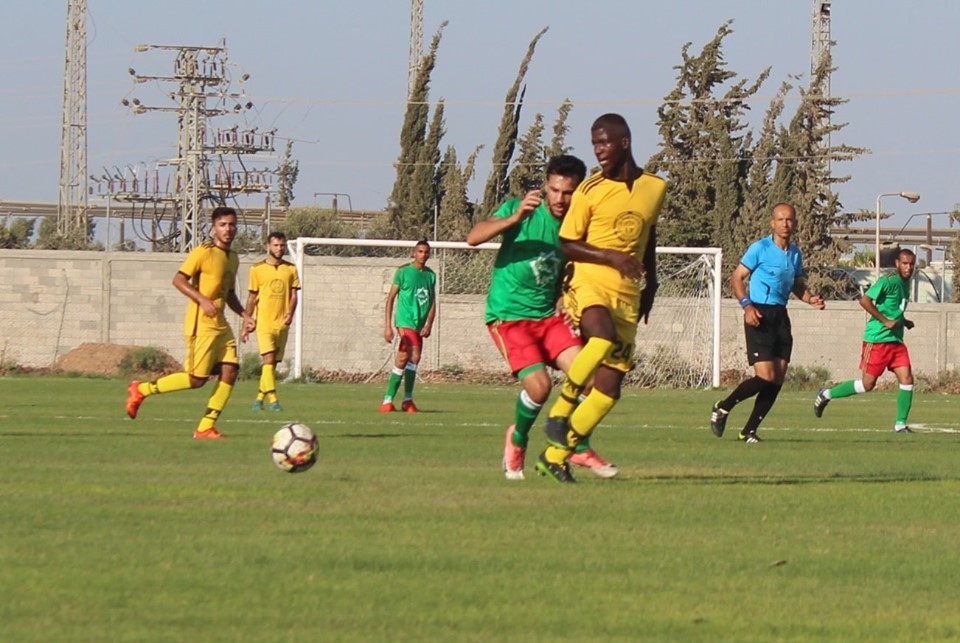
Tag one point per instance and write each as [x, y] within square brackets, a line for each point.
[883, 347]
[207, 279]
[522, 314]
[609, 234]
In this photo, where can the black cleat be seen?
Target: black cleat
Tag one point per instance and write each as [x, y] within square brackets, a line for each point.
[718, 420]
[820, 402]
[557, 430]
[750, 438]
[558, 472]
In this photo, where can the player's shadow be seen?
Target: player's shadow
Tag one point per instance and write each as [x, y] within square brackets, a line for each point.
[795, 480]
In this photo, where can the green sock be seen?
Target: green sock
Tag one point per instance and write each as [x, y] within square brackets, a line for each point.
[525, 415]
[846, 389]
[396, 375]
[409, 379]
[904, 401]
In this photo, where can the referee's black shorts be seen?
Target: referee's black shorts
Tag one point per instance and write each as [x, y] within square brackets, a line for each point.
[773, 338]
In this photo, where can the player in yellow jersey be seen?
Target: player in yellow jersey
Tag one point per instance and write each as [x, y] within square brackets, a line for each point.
[208, 279]
[274, 289]
[609, 235]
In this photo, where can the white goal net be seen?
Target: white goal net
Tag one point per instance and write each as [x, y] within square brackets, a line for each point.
[338, 328]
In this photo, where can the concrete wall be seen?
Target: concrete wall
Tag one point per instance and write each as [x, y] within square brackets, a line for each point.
[53, 301]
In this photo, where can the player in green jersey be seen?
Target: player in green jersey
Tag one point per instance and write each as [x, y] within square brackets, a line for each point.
[414, 291]
[883, 347]
[522, 314]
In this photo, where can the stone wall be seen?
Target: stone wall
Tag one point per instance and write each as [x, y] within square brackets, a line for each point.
[53, 301]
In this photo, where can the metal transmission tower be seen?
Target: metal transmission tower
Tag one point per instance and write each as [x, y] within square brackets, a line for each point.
[820, 47]
[72, 200]
[416, 42]
[819, 51]
[203, 91]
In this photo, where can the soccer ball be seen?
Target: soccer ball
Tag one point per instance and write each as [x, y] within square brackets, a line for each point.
[295, 447]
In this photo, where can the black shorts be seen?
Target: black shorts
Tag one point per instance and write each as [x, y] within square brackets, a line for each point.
[773, 339]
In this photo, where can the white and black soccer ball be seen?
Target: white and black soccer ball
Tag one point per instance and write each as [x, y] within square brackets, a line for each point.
[295, 447]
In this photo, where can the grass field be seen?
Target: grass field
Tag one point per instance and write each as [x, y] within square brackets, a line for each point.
[112, 529]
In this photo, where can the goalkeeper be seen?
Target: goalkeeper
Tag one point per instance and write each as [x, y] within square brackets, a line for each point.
[522, 314]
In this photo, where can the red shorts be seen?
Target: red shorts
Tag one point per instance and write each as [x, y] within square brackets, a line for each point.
[875, 358]
[409, 339]
[526, 342]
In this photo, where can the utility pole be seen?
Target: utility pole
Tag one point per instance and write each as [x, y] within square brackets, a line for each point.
[820, 46]
[202, 91]
[72, 199]
[416, 43]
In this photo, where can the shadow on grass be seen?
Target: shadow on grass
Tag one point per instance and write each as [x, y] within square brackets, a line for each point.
[795, 480]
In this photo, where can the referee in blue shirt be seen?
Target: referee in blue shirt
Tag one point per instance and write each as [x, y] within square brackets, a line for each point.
[774, 266]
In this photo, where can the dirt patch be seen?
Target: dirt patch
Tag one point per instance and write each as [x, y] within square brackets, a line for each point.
[106, 359]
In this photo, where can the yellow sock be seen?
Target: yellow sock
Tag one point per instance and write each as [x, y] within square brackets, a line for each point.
[556, 455]
[268, 382]
[166, 384]
[581, 370]
[591, 412]
[221, 394]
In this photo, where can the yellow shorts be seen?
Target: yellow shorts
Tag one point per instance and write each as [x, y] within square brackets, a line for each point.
[625, 313]
[205, 352]
[273, 341]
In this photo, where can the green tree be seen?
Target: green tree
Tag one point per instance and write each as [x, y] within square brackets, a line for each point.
[287, 172]
[49, 238]
[704, 152]
[528, 169]
[496, 187]
[558, 144]
[412, 140]
[804, 178]
[455, 215]
[17, 233]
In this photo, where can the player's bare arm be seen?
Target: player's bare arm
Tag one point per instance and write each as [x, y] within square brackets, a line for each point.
[803, 294]
[490, 228]
[868, 305]
[388, 317]
[292, 307]
[627, 264]
[649, 291]
[182, 283]
[428, 326]
[233, 302]
[738, 281]
[252, 299]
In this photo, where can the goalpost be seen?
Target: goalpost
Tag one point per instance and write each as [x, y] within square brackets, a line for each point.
[339, 323]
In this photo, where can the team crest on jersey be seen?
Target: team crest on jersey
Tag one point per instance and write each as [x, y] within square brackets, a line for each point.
[628, 226]
[276, 286]
[423, 296]
[545, 268]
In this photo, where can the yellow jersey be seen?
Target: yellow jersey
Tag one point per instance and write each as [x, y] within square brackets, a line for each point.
[213, 272]
[273, 285]
[610, 214]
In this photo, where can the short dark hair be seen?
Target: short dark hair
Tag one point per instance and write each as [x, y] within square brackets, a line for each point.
[611, 121]
[222, 211]
[276, 235]
[568, 166]
[906, 251]
[422, 242]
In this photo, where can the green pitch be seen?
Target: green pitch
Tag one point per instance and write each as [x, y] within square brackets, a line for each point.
[112, 529]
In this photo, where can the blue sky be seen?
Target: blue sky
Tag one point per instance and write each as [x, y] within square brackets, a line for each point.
[333, 76]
